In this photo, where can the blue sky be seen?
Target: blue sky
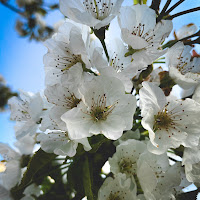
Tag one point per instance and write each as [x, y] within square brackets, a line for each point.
[21, 61]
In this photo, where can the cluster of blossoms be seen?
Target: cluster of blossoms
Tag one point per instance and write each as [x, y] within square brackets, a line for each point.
[99, 92]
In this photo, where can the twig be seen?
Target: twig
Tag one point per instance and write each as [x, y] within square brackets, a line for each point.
[183, 13]
[12, 8]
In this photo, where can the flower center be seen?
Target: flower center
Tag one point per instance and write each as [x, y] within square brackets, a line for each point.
[67, 61]
[185, 66]
[126, 166]
[114, 196]
[116, 63]
[162, 120]
[72, 101]
[99, 9]
[22, 114]
[99, 111]
[140, 32]
[64, 63]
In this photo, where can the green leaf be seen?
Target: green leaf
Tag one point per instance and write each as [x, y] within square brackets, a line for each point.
[74, 173]
[97, 145]
[37, 162]
[87, 180]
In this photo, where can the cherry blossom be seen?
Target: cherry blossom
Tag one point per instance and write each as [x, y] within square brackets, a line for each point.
[169, 123]
[105, 109]
[182, 67]
[26, 110]
[143, 35]
[93, 13]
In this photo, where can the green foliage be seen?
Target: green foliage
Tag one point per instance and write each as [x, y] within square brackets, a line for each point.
[87, 182]
[37, 162]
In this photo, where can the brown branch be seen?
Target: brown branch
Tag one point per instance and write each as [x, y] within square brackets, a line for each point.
[183, 13]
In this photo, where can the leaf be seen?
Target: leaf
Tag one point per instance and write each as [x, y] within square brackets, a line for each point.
[97, 145]
[87, 180]
[74, 173]
[37, 162]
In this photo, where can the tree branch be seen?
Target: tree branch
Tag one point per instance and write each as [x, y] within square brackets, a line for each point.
[155, 5]
[12, 8]
[183, 13]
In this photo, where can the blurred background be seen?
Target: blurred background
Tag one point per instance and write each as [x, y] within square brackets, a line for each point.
[22, 50]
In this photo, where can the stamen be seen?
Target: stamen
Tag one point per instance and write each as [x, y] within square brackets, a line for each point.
[114, 196]
[99, 111]
[126, 166]
[99, 9]
[64, 63]
[116, 63]
[185, 66]
[163, 120]
[69, 102]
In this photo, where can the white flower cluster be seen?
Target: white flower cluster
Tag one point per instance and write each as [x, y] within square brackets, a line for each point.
[90, 85]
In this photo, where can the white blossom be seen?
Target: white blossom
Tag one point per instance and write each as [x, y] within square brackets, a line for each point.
[192, 172]
[68, 53]
[117, 188]
[191, 160]
[196, 95]
[182, 67]
[119, 66]
[169, 124]
[95, 14]
[105, 109]
[32, 189]
[10, 166]
[186, 31]
[156, 177]
[27, 111]
[58, 142]
[5, 194]
[25, 144]
[11, 173]
[126, 156]
[141, 32]
[62, 100]
[118, 52]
